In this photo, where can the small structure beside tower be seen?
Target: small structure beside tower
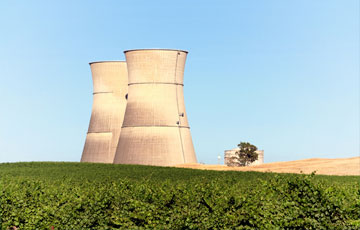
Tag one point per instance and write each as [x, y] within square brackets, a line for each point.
[228, 154]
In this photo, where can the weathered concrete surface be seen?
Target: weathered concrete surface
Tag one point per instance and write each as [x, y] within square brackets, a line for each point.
[110, 81]
[155, 129]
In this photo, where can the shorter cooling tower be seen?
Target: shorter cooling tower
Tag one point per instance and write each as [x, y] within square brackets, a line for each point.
[228, 154]
[155, 129]
[109, 102]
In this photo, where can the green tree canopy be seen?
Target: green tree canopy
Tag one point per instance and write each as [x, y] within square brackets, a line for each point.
[245, 155]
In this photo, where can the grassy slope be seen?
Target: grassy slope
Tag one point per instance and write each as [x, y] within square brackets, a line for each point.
[99, 172]
[84, 195]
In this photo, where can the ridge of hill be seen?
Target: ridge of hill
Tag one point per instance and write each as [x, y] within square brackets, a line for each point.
[324, 166]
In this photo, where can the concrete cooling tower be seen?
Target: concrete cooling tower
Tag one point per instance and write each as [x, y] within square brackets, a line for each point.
[110, 81]
[229, 154]
[155, 129]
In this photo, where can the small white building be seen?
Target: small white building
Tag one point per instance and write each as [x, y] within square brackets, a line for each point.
[228, 154]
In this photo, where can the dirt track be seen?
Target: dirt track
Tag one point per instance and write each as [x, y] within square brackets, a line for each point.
[338, 166]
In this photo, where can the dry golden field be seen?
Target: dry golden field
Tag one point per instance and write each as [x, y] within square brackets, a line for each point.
[338, 166]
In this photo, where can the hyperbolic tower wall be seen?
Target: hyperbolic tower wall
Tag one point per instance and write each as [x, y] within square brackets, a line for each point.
[110, 81]
[155, 130]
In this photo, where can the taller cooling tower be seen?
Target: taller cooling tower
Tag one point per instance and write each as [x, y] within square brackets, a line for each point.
[155, 129]
[109, 102]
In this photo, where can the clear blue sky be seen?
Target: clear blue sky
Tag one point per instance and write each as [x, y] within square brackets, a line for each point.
[283, 75]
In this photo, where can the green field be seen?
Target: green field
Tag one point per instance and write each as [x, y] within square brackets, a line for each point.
[46, 195]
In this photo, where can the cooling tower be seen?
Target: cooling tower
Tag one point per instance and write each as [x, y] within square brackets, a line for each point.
[155, 129]
[109, 102]
[229, 154]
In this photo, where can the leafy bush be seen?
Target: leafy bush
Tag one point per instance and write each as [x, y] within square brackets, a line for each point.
[100, 196]
[245, 155]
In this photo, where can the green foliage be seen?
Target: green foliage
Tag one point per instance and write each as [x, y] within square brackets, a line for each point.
[245, 155]
[101, 196]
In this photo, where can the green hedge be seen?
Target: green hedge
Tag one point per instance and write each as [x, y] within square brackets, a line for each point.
[94, 196]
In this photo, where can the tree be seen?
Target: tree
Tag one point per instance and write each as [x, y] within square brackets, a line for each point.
[245, 155]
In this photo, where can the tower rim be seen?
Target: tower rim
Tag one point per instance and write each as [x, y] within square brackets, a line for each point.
[156, 49]
[116, 61]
